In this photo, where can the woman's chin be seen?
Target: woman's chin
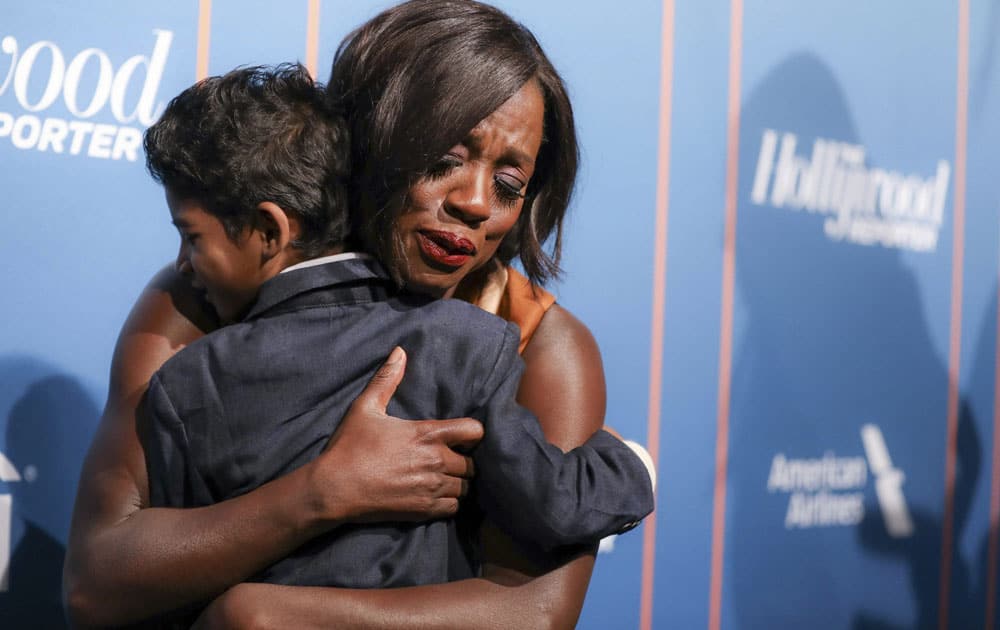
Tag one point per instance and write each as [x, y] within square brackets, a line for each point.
[435, 283]
[433, 289]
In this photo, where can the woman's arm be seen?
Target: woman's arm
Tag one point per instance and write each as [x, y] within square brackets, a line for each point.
[475, 603]
[127, 562]
[564, 385]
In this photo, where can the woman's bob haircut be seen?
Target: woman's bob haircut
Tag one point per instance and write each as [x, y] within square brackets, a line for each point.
[413, 82]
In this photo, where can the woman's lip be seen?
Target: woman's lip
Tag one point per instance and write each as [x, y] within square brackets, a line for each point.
[451, 242]
[443, 254]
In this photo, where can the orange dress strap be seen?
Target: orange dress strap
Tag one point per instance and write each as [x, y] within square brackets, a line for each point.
[524, 304]
[507, 293]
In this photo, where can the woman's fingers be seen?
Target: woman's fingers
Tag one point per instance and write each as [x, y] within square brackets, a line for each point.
[454, 488]
[459, 433]
[379, 390]
[456, 464]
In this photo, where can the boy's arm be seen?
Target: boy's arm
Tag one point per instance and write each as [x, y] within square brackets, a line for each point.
[538, 493]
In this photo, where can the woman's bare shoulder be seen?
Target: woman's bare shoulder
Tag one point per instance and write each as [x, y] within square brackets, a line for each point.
[168, 315]
[558, 330]
[563, 383]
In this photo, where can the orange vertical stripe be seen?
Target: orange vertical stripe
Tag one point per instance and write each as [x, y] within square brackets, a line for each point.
[204, 30]
[955, 338]
[312, 37]
[726, 324]
[659, 297]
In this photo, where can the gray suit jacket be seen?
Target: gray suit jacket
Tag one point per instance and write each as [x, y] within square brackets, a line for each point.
[255, 400]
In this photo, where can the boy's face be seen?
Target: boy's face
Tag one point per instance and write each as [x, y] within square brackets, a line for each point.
[229, 271]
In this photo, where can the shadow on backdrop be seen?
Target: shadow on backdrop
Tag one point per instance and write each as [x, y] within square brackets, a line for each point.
[967, 601]
[830, 336]
[50, 419]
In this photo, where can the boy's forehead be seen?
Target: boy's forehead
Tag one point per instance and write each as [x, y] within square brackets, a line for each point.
[182, 208]
[180, 220]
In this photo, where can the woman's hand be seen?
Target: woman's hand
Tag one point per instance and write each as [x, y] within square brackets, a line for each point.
[379, 468]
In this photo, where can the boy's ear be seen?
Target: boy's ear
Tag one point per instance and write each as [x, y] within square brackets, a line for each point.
[277, 229]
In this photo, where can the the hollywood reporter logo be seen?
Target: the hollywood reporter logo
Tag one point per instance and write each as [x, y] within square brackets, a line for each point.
[71, 80]
[861, 204]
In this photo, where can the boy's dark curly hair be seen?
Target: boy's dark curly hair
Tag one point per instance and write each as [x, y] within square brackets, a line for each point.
[252, 135]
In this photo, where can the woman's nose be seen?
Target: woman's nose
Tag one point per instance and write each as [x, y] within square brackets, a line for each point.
[469, 199]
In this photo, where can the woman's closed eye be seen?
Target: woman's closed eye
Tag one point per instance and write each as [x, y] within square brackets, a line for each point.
[443, 166]
[507, 188]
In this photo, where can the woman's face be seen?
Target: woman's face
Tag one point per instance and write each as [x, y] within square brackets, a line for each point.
[457, 215]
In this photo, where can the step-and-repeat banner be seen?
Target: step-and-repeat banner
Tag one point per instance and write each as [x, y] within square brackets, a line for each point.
[786, 240]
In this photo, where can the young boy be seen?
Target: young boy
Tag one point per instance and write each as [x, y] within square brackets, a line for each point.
[254, 164]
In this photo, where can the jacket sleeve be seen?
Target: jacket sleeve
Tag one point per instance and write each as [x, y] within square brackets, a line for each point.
[168, 462]
[539, 494]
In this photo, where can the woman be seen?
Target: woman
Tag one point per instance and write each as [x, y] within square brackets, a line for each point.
[465, 157]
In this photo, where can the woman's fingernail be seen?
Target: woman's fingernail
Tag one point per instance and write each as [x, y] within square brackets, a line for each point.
[395, 356]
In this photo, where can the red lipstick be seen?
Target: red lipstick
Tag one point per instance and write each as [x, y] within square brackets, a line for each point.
[445, 248]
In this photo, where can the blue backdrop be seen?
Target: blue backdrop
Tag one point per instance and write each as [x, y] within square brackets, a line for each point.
[824, 176]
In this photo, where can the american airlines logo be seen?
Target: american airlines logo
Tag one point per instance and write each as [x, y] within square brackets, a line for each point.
[888, 483]
[88, 83]
[861, 205]
[7, 474]
[828, 491]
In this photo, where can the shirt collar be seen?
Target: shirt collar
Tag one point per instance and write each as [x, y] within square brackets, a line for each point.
[356, 273]
[322, 260]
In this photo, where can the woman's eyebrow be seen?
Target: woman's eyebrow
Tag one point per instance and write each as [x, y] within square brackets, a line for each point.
[515, 156]
[520, 157]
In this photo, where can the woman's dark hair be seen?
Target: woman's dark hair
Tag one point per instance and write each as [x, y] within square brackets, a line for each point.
[252, 135]
[413, 82]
